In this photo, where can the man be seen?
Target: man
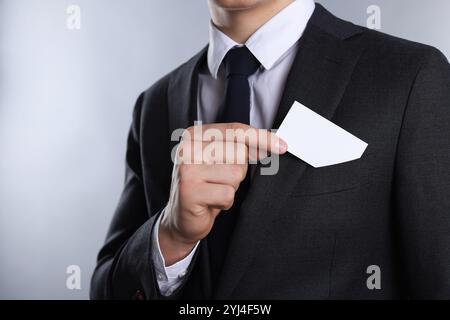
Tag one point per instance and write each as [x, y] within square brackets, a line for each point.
[373, 228]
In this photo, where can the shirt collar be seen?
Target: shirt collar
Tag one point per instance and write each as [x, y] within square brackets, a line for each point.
[269, 42]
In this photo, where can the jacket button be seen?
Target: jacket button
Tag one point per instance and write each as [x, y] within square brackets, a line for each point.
[139, 295]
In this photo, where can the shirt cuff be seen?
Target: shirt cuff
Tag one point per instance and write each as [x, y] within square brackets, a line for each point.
[171, 277]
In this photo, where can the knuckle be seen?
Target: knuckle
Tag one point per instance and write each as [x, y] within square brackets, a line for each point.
[196, 213]
[183, 170]
[244, 170]
[236, 173]
[232, 125]
[188, 133]
[189, 130]
[228, 195]
[184, 186]
[183, 144]
[185, 177]
[183, 149]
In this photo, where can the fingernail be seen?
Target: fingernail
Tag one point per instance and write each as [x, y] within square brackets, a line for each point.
[282, 145]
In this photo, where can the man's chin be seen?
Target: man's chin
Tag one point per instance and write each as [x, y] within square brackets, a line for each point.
[237, 4]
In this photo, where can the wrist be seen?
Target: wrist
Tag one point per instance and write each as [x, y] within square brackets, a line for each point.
[173, 247]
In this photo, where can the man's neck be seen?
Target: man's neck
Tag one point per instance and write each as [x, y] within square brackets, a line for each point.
[239, 25]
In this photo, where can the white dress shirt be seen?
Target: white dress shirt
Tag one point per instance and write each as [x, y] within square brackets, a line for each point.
[274, 45]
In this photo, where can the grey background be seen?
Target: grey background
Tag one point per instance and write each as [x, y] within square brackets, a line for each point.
[65, 107]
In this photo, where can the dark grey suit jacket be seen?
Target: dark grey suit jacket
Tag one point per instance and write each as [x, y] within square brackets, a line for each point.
[305, 232]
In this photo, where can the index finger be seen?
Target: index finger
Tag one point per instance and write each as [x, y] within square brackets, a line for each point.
[253, 138]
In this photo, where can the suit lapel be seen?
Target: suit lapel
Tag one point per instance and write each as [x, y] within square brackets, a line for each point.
[318, 78]
[182, 93]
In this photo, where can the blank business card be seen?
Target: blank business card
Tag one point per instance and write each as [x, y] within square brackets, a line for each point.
[316, 140]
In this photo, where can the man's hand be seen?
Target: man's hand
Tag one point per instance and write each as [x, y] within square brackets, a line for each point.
[206, 185]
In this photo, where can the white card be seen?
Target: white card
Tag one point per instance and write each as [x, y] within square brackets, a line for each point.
[316, 140]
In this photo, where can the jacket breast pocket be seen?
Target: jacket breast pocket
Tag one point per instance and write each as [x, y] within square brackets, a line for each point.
[334, 178]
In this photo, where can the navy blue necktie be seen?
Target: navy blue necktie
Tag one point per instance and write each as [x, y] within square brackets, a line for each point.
[239, 64]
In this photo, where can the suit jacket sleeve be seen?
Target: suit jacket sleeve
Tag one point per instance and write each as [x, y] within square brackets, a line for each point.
[124, 267]
[422, 182]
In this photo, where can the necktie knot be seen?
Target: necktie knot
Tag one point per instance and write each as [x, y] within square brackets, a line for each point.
[240, 61]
